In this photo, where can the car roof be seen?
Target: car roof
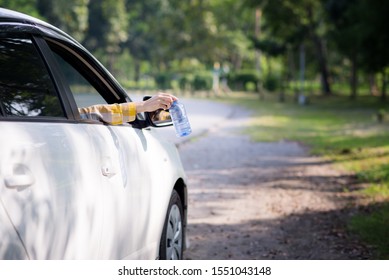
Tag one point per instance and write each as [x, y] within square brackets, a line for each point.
[12, 17]
[25, 23]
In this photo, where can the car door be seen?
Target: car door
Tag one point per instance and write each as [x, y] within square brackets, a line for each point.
[50, 177]
[123, 152]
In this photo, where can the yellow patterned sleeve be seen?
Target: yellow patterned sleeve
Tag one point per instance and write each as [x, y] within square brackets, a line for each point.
[128, 111]
[110, 113]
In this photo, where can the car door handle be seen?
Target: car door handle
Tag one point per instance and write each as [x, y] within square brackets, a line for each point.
[21, 177]
[107, 170]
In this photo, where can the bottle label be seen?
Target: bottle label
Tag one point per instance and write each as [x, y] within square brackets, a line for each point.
[180, 121]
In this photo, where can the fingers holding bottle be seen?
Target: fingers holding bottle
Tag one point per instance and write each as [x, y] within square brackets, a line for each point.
[159, 101]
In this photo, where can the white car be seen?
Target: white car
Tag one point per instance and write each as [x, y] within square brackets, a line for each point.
[72, 188]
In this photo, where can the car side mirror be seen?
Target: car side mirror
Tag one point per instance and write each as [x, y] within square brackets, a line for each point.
[158, 118]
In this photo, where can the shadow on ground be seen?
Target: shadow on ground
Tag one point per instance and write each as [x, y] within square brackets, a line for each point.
[252, 200]
[314, 235]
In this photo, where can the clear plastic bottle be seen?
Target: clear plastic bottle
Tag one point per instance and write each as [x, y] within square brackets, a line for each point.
[180, 119]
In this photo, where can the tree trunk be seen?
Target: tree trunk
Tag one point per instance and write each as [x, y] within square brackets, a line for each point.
[322, 65]
[237, 62]
[284, 79]
[354, 77]
[383, 91]
[321, 54]
[258, 16]
[302, 97]
[373, 85]
[292, 77]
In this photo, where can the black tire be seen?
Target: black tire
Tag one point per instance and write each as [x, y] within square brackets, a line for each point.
[172, 239]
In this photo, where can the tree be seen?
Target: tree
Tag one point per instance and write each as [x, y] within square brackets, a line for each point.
[164, 32]
[296, 22]
[69, 15]
[23, 6]
[345, 35]
[360, 34]
[186, 29]
[233, 32]
[107, 30]
[140, 41]
[375, 38]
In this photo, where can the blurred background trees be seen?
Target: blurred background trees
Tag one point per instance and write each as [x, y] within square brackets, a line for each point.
[301, 46]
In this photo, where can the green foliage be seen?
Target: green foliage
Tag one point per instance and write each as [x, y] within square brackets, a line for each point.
[163, 80]
[24, 6]
[115, 14]
[243, 79]
[295, 24]
[162, 33]
[70, 16]
[374, 35]
[375, 174]
[202, 81]
[358, 30]
[373, 226]
[185, 82]
[270, 47]
[107, 25]
[272, 82]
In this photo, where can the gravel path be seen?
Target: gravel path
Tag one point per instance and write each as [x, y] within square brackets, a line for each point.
[264, 200]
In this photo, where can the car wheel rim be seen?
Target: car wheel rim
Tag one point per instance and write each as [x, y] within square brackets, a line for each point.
[174, 234]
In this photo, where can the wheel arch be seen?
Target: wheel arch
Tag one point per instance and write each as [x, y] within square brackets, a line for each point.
[181, 188]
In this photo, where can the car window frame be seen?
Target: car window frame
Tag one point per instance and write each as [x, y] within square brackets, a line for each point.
[40, 35]
[88, 67]
[4, 117]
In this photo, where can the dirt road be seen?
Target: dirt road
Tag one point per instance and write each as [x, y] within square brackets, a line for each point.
[264, 200]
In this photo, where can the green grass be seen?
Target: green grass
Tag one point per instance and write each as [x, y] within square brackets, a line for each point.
[343, 131]
[373, 227]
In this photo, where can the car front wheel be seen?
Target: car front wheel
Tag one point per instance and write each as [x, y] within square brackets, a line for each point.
[172, 239]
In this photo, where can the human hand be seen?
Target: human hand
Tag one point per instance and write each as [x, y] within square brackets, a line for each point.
[159, 101]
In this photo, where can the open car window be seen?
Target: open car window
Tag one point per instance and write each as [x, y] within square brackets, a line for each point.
[77, 78]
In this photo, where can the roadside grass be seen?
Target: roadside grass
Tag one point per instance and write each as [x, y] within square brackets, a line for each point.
[374, 228]
[343, 131]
